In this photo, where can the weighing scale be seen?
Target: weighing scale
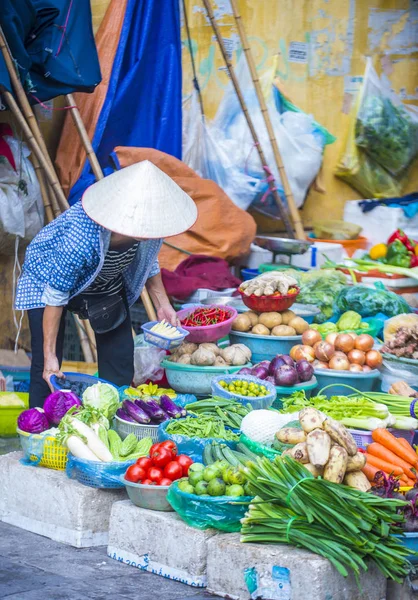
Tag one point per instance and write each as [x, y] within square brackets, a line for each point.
[280, 246]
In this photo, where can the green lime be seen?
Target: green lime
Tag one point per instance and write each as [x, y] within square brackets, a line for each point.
[235, 490]
[211, 472]
[216, 487]
[201, 488]
[195, 477]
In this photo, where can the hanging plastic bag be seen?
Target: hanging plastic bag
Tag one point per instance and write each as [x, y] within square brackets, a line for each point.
[300, 140]
[386, 129]
[205, 151]
[147, 361]
[223, 512]
[21, 207]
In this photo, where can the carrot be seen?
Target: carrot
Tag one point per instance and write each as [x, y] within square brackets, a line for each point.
[384, 454]
[410, 483]
[383, 465]
[404, 443]
[389, 441]
[370, 471]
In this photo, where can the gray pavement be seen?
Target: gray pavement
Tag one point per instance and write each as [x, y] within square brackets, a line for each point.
[35, 568]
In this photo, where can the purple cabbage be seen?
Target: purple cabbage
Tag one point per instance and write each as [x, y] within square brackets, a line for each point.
[134, 411]
[304, 370]
[172, 410]
[122, 414]
[33, 420]
[260, 371]
[58, 404]
[152, 409]
[286, 376]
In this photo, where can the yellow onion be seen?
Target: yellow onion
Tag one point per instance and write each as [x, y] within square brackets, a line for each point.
[344, 342]
[356, 357]
[338, 363]
[304, 353]
[310, 337]
[324, 351]
[373, 359]
[318, 364]
[331, 337]
[364, 342]
[354, 368]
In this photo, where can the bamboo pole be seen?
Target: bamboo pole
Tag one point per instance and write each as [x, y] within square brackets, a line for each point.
[84, 340]
[49, 216]
[98, 173]
[235, 83]
[31, 120]
[294, 213]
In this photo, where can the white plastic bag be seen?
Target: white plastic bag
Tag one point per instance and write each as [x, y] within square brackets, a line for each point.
[147, 361]
[206, 151]
[386, 129]
[300, 149]
[21, 207]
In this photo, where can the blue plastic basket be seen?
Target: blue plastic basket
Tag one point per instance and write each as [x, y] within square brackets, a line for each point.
[257, 402]
[102, 475]
[364, 382]
[248, 274]
[90, 379]
[161, 341]
[285, 392]
[410, 541]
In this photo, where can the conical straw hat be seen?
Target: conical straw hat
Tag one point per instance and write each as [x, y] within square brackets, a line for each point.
[140, 201]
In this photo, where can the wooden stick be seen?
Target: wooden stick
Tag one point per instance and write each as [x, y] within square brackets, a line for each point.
[49, 216]
[84, 341]
[235, 83]
[31, 120]
[294, 213]
[98, 173]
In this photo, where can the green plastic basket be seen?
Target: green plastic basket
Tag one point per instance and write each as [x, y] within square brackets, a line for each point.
[257, 448]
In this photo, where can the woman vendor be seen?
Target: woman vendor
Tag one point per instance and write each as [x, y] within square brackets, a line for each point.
[94, 260]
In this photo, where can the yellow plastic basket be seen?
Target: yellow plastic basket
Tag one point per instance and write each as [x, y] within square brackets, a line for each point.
[54, 455]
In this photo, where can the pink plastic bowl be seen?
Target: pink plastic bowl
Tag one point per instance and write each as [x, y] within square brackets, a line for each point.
[208, 333]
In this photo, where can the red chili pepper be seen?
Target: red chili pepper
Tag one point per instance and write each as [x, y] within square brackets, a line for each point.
[206, 316]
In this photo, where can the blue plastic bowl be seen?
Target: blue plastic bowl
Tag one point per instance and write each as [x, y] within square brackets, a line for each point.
[410, 541]
[248, 274]
[264, 347]
[285, 392]
[90, 379]
[257, 402]
[364, 382]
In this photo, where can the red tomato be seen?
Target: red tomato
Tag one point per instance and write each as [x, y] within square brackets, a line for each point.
[161, 457]
[148, 482]
[184, 461]
[155, 474]
[135, 473]
[173, 471]
[144, 462]
[170, 446]
[165, 481]
[154, 448]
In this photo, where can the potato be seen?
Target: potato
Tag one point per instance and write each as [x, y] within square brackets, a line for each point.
[242, 323]
[253, 316]
[283, 331]
[319, 447]
[291, 435]
[287, 315]
[260, 330]
[299, 324]
[270, 319]
[357, 480]
[335, 468]
[356, 462]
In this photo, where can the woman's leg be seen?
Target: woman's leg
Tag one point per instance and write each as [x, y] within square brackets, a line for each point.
[39, 389]
[115, 354]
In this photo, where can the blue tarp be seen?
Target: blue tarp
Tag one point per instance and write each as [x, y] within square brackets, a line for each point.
[143, 103]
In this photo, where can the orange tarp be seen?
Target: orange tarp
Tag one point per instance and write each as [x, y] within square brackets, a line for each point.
[222, 229]
[71, 155]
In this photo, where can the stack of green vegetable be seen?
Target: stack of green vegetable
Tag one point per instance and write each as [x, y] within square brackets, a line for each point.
[229, 412]
[368, 411]
[219, 453]
[349, 321]
[343, 524]
[201, 427]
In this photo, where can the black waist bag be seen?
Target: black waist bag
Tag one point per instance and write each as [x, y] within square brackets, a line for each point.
[107, 314]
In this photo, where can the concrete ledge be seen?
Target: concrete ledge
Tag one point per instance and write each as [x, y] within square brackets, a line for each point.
[283, 571]
[46, 502]
[158, 542]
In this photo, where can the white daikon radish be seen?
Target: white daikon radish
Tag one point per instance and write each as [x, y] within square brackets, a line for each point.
[79, 449]
[94, 443]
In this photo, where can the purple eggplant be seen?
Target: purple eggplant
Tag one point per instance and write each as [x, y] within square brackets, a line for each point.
[122, 414]
[152, 409]
[136, 412]
[173, 411]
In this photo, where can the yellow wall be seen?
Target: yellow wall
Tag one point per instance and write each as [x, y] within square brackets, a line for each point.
[338, 35]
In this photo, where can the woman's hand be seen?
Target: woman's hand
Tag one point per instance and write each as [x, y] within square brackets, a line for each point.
[168, 313]
[51, 367]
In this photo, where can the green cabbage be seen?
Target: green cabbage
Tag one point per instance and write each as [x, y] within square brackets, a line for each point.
[102, 396]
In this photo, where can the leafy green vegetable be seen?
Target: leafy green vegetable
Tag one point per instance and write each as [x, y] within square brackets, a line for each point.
[370, 301]
[102, 396]
[349, 320]
[320, 288]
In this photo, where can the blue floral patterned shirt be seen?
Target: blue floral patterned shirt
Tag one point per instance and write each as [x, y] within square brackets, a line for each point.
[67, 255]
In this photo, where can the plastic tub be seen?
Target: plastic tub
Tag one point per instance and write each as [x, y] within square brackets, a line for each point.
[364, 382]
[308, 312]
[269, 303]
[89, 379]
[124, 428]
[285, 392]
[189, 379]
[151, 497]
[208, 333]
[161, 341]
[257, 402]
[264, 347]
[10, 414]
[43, 450]
[410, 541]
[248, 274]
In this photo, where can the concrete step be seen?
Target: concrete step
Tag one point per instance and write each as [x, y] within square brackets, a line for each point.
[159, 542]
[46, 502]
